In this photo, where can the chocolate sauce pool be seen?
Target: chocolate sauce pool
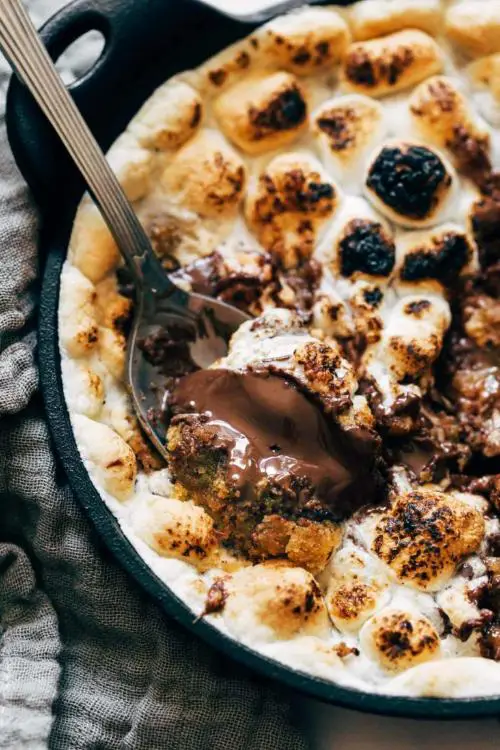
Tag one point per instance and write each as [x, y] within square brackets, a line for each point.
[272, 431]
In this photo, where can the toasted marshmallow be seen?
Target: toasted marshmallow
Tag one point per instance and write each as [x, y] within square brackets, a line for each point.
[280, 339]
[413, 336]
[288, 205]
[358, 587]
[263, 112]
[466, 677]
[78, 326]
[367, 304]
[117, 412]
[484, 75]
[331, 314]
[112, 308]
[206, 176]
[306, 41]
[486, 72]
[180, 236]
[175, 528]
[347, 129]
[410, 183]
[170, 116]
[373, 18]
[112, 351]
[474, 27]
[391, 63]
[442, 115]
[84, 389]
[327, 373]
[273, 601]
[456, 602]
[132, 165]
[425, 534]
[398, 639]
[107, 455]
[92, 248]
[310, 650]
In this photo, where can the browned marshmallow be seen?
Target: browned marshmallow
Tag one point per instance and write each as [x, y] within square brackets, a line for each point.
[307, 41]
[176, 528]
[474, 27]
[206, 176]
[413, 337]
[373, 18]
[169, 117]
[398, 640]
[391, 63]
[441, 115]
[263, 112]
[347, 129]
[273, 601]
[425, 534]
[287, 208]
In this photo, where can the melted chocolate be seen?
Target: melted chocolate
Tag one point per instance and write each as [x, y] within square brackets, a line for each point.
[273, 433]
[211, 277]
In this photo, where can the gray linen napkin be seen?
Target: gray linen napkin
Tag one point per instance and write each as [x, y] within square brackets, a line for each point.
[86, 659]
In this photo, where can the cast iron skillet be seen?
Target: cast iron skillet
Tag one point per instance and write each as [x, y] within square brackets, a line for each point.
[146, 42]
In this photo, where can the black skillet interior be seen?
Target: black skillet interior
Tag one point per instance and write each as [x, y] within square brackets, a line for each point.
[146, 42]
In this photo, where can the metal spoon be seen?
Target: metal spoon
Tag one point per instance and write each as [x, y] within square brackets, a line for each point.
[160, 304]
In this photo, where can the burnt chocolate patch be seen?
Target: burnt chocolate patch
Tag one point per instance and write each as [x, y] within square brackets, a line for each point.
[218, 77]
[319, 190]
[408, 179]
[415, 308]
[243, 60]
[443, 262]
[360, 69]
[301, 57]
[337, 125]
[373, 296]
[169, 351]
[287, 110]
[363, 70]
[366, 248]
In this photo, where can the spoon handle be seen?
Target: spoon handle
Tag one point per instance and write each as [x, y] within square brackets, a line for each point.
[27, 55]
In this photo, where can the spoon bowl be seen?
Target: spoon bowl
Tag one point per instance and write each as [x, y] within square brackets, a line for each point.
[168, 340]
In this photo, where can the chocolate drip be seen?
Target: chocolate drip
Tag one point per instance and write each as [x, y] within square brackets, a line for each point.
[274, 434]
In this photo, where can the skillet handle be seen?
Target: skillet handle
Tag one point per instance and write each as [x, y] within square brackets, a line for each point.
[146, 41]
